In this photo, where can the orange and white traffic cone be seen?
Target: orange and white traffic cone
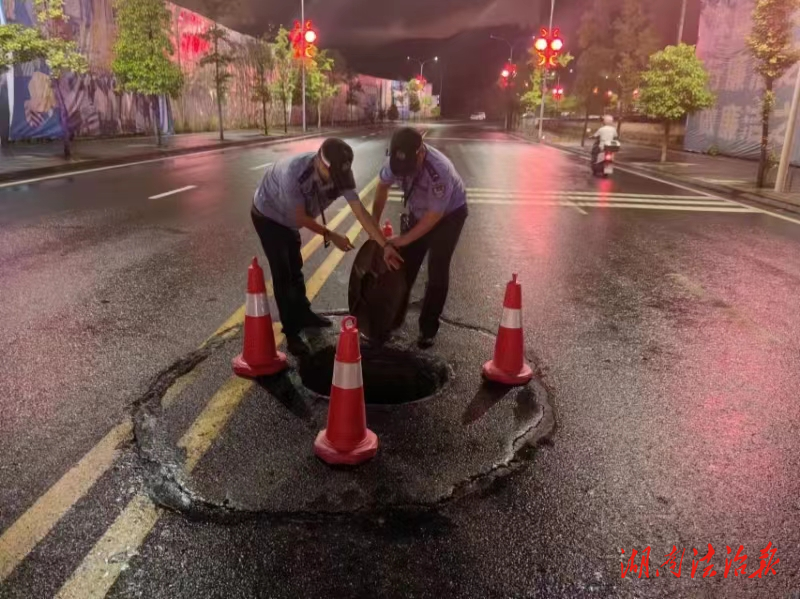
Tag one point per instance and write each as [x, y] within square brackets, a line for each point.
[260, 356]
[387, 230]
[347, 440]
[509, 366]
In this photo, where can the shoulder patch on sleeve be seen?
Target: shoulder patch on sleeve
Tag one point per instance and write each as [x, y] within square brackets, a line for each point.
[438, 190]
[431, 171]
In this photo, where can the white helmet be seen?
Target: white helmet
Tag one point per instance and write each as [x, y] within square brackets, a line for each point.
[608, 119]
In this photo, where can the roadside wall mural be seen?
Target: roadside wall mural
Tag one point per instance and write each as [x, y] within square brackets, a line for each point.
[96, 109]
[733, 125]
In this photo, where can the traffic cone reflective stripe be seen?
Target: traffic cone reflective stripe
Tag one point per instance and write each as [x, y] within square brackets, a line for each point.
[256, 305]
[512, 319]
[260, 356]
[347, 376]
[347, 440]
[509, 366]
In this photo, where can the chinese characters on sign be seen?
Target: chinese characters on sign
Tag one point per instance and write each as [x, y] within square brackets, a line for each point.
[638, 564]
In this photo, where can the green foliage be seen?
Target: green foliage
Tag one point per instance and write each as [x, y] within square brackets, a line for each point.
[143, 49]
[414, 104]
[675, 84]
[19, 44]
[260, 53]
[64, 57]
[532, 97]
[563, 60]
[771, 40]
[436, 112]
[414, 85]
[44, 42]
[285, 71]
[217, 36]
[771, 43]
[393, 114]
[320, 83]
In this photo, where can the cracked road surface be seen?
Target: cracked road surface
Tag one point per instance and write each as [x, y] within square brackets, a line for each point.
[662, 321]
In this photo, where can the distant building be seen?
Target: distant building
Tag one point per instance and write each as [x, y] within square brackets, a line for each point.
[733, 126]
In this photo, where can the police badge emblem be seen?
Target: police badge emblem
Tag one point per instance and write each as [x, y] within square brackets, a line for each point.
[438, 190]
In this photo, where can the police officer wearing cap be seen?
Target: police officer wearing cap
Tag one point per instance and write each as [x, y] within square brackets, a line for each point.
[435, 203]
[293, 193]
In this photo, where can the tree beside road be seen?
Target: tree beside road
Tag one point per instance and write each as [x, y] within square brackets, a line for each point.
[260, 51]
[142, 53]
[675, 84]
[48, 44]
[771, 43]
[220, 58]
[285, 73]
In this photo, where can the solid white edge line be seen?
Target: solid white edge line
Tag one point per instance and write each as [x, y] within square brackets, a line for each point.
[171, 193]
[260, 166]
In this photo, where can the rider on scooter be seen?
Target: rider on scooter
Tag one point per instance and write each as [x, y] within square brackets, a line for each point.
[605, 134]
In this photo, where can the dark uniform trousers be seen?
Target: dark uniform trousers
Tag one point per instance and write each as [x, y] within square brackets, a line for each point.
[282, 247]
[439, 244]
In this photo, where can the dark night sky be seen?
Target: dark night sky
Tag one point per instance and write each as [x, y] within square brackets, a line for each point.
[375, 36]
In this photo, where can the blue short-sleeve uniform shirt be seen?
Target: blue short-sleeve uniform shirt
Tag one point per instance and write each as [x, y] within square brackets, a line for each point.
[289, 183]
[437, 187]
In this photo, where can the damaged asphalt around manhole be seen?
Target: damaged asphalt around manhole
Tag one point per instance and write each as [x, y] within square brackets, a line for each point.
[444, 433]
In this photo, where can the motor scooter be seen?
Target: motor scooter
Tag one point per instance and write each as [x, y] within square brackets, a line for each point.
[603, 159]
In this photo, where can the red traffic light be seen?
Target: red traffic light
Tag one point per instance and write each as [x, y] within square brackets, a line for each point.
[311, 36]
[505, 73]
[548, 46]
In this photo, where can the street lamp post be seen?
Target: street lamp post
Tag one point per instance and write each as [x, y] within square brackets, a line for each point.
[422, 63]
[510, 46]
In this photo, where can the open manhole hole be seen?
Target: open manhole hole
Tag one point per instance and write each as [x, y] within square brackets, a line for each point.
[391, 376]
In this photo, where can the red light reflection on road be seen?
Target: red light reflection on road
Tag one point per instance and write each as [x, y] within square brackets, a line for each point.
[604, 191]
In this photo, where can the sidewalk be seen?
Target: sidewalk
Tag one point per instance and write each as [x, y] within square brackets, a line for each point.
[25, 160]
[720, 174]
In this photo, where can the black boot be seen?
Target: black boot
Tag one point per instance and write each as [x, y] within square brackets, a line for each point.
[296, 346]
[315, 321]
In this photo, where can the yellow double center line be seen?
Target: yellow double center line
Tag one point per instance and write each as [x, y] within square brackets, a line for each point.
[95, 576]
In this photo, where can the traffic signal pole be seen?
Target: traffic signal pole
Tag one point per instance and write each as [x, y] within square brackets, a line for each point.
[544, 75]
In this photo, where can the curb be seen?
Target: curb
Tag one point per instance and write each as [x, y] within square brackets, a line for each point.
[733, 192]
[82, 165]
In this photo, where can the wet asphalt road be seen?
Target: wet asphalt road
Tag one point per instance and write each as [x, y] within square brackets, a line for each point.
[663, 323]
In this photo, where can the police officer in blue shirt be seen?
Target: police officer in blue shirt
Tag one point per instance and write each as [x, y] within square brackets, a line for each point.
[293, 193]
[435, 203]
